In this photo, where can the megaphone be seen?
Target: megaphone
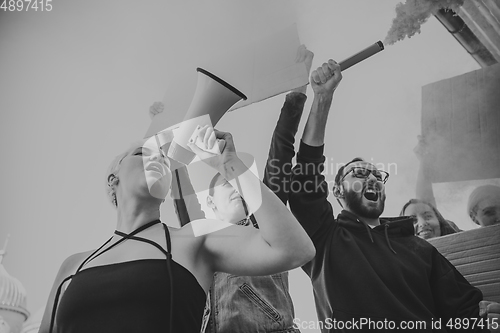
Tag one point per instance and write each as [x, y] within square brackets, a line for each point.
[211, 100]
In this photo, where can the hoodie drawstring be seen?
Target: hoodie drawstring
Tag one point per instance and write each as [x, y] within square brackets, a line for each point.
[386, 227]
[368, 230]
[387, 238]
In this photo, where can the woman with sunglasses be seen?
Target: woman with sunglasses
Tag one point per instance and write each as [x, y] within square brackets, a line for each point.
[151, 278]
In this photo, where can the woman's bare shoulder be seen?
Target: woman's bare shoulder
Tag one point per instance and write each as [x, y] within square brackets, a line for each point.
[71, 263]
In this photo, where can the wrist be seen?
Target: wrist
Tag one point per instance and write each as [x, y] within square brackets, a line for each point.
[323, 97]
[321, 106]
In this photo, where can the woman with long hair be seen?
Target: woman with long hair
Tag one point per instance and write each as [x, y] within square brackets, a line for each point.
[428, 221]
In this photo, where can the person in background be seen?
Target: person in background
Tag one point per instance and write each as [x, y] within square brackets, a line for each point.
[425, 193]
[428, 221]
[484, 205]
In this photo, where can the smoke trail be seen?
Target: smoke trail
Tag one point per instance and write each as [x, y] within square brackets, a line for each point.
[412, 14]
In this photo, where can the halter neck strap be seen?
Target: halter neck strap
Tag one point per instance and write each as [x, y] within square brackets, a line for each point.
[136, 231]
[145, 240]
[88, 259]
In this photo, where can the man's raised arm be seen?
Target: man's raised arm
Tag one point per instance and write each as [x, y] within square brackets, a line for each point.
[309, 191]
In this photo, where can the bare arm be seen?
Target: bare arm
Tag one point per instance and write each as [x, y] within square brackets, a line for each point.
[278, 245]
[309, 203]
[424, 185]
[324, 81]
[67, 268]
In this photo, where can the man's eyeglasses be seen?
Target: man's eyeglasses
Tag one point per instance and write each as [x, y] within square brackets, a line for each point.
[361, 172]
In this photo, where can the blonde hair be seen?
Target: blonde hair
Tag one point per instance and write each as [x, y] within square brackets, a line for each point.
[115, 166]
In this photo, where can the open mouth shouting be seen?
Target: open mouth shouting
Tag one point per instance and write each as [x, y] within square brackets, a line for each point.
[371, 194]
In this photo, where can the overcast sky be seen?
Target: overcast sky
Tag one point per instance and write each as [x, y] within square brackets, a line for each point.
[76, 84]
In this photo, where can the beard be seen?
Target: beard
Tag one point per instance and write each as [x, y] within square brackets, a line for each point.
[354, 200]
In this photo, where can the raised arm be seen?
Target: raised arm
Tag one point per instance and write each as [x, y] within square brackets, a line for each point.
[308, 200]
[424, 185]
[324, 81]
[277, 173]
[278, 245]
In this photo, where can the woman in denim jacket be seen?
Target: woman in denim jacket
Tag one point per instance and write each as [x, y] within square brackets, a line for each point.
[255, 303]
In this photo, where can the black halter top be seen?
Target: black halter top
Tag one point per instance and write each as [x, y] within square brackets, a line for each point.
[131, 296]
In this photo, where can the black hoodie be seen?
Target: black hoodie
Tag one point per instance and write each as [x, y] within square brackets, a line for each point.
[373, 279]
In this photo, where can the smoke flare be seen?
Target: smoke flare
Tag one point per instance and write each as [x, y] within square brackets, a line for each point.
[412, 14]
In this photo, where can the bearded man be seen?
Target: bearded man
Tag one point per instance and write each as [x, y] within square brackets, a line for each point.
[371, 273]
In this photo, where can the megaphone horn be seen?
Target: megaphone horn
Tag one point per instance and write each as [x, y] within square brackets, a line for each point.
[211, 100]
